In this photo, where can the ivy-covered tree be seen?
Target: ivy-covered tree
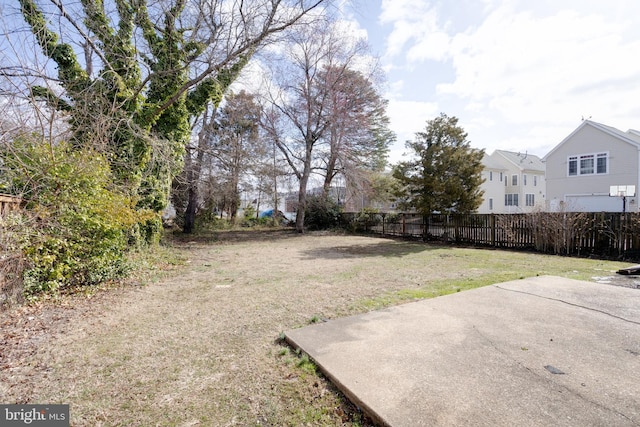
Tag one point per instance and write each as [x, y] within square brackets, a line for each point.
[161, 64]
[445, 173]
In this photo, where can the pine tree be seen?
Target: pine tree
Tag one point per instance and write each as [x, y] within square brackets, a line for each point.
[445, 176]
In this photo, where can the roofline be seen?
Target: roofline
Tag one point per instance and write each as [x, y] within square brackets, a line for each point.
[518, 165]
[598, 126]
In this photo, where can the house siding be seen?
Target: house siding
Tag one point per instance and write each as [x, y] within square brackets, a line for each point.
[493, 189]
[520, 164]
[590, 192]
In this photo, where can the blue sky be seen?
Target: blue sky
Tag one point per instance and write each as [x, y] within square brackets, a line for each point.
[520, 75]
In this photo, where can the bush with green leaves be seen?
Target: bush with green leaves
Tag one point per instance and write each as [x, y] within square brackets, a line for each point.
[212, 221]
[76, 227]
[365, 219]
[321, 213]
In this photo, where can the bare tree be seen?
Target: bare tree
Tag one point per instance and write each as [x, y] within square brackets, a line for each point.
[304, 110]
[238, 149]
[358, 136]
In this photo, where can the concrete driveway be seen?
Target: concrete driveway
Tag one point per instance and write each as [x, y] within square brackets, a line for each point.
[545, 351]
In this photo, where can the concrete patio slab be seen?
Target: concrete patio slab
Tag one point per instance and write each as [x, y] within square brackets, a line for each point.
[535, 352]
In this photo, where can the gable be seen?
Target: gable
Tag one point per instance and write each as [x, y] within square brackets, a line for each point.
[592, 137]
[489, 162]
[522, 162]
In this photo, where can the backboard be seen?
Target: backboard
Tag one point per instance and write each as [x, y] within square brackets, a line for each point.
[622, 191]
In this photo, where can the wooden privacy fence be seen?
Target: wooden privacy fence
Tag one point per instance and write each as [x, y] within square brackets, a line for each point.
[567, 233]
[9, 203]
[11, 264]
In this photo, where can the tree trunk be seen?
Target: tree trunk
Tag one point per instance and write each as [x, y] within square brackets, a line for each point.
[193, 176]
[328, 178]
[190, 212]
[302, 201]
[302, 195]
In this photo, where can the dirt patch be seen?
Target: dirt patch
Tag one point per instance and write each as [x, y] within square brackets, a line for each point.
[202, 347]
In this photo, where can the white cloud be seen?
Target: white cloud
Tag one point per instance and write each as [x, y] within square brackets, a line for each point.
[435, 46]
[413, 24]
[407, 118]
[523, 72]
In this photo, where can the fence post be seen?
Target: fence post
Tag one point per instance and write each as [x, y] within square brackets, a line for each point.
[493, 230]
[404, 224]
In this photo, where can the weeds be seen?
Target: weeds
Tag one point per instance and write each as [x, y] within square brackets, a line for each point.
[306, 364]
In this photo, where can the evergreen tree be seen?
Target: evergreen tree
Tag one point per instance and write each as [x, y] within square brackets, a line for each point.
[445, 176]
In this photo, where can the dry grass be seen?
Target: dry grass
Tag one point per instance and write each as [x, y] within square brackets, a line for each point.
[200, 346]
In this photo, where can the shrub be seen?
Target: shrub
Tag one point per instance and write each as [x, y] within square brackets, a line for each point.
[211, 221]
[365, 219]
[321, 213]
[77, 227]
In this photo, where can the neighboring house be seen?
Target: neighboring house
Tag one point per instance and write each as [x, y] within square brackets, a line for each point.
[494, 174]
[522, 179]
[583, 167]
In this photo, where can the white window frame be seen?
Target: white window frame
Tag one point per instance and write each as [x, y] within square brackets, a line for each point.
[511, 199]
[490, 175]
[530, 199]
[604, 156]
[588, 164]
[524, 179]
[490, 204]
[514, 181]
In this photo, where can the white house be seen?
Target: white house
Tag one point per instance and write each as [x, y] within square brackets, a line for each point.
[586, 164]
[522, 181]
[493, 186]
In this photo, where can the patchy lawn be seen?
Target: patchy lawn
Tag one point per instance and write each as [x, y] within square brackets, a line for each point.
[200, 345]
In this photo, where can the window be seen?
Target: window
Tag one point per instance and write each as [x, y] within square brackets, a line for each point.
[500, 176]
[588, 164]
[530, 199]
[573, 166]
[511, 200]
[601, 163]
[535, 180]
[524, 179]
[490, 176]
[490, 204]
[514, 180]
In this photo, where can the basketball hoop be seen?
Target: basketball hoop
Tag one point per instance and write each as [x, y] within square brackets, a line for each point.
[623, 191]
